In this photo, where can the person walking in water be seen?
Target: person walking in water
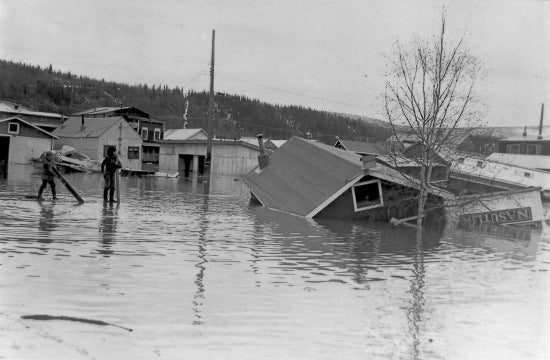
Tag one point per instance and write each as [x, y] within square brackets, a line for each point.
[109, 166]
[48, 174]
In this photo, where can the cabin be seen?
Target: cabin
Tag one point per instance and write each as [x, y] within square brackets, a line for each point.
[229, 157]
[92, 137]
[22, 141]
[44, 120]
[150, 130]
[310, 179]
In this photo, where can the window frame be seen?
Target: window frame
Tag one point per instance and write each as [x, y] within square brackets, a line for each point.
[362, 183]
[16, 132]
[537, 148]
[155, 136]
[133, 152]
[144, 131]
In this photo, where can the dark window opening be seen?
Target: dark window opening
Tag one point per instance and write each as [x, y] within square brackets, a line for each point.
[367, 195]
[133, 152]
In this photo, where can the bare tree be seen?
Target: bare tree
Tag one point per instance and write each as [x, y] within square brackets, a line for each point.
[429, 93]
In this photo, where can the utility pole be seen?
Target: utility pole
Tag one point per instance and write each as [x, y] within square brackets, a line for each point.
[211, 104]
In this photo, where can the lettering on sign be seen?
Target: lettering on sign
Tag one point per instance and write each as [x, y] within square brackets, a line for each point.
[502, 231]
[497, 217]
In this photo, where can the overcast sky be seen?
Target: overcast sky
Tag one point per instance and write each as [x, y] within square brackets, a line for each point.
[324, 54]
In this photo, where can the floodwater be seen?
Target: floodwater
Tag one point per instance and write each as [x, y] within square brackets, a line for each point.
[206, 275]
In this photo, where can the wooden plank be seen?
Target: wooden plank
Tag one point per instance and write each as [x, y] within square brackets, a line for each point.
[68, 186]
[117, 185]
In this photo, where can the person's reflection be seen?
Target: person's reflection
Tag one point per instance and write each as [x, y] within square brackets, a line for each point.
[107, 228]
[46, 223]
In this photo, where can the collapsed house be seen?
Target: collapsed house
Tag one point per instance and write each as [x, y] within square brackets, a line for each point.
[310, 179]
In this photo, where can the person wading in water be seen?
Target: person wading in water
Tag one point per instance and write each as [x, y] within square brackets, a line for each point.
[109, 166]
[48, 175]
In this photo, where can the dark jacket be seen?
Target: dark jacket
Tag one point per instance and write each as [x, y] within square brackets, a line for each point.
[110, 165]
[47, 170]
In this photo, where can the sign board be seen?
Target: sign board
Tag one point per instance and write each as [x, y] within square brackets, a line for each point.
[497, 217]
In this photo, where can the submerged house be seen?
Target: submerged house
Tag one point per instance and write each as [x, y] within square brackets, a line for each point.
[311, 179]
[21, 141]
[92, 137]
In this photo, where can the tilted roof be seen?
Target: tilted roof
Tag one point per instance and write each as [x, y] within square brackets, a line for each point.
[363, 147]
[305, 176]
[92, 128]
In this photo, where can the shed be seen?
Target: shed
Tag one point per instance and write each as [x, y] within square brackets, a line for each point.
[93, 137]
[229, 157]
[21, 141]
[44, 120]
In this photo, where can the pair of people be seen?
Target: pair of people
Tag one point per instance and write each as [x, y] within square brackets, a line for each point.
[109, 166]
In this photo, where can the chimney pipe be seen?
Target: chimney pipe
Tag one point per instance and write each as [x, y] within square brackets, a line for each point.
[540, 126]
[525, 131]
[82, 120]
[369, 161]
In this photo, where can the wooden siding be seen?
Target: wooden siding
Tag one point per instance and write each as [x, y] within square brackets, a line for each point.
[24, 149]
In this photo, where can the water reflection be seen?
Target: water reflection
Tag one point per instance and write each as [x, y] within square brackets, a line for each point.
[46, 223]
[107, 228]
[199, 296]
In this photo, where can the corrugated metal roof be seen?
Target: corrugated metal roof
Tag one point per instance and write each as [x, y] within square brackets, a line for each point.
[92, 128]
[182, 134]
[302, 174]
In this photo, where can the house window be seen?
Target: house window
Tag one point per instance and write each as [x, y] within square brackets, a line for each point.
[144, 133]
[156, 135]
[479, 164]
[367, 195]
[133, 152]
[513, 149]
[527, 174]
[533, 149]
[13, 128]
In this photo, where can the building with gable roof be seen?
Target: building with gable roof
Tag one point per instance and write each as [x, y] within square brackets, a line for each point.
[44, 120]
[92, 137]
[22, 141]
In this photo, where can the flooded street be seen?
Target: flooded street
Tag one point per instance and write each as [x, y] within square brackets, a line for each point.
[205, 275]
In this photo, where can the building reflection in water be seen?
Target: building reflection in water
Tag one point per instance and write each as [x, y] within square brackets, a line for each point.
[107, 228]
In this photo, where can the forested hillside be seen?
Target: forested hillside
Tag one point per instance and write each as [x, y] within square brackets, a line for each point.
[45, 89]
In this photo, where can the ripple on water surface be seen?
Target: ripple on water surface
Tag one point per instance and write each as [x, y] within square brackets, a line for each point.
[208, 275]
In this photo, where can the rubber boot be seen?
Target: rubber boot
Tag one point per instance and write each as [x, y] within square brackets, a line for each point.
[111, 195]
[105, 192]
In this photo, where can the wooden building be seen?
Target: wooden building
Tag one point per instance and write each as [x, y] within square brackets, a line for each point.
[150, 130]
[21, 141]
[44, 120]
[310, 179]
[235, 158]
[92, 137]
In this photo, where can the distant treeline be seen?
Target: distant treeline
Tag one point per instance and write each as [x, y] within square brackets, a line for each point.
[48, 90]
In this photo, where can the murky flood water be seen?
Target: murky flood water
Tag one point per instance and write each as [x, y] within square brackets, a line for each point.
[208, 276]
